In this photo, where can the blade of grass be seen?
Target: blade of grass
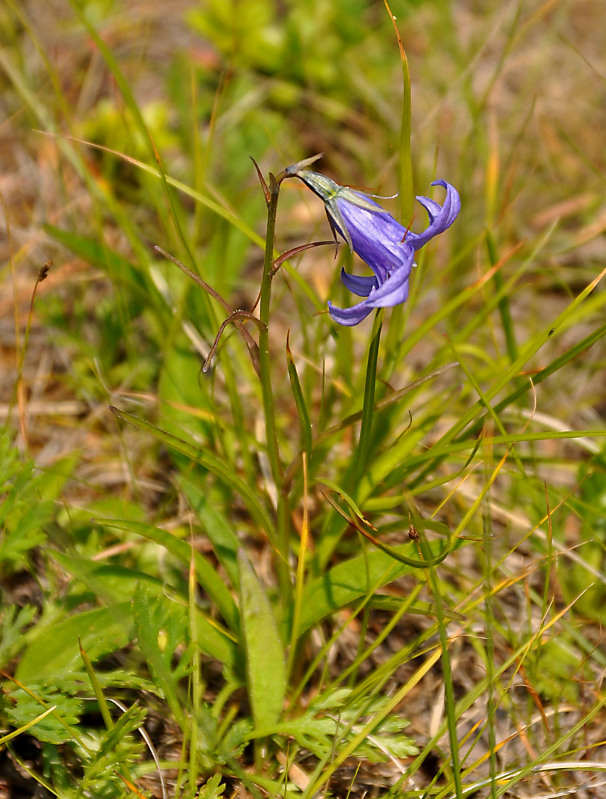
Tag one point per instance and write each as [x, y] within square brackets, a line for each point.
[405, 152]
[207, 576]
[503, 304]
[196, 689]
[334, 527]
[535, 343]
[447, 677]
[297, 393]
[324, 771]
[300, 580]
[210, 462]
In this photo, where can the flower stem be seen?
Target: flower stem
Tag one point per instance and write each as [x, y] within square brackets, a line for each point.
[334, 527]
[271, 433]
[364, 442]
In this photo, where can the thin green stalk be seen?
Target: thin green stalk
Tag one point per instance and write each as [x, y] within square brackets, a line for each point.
[399, 315]
[491, 703]
[196, 687]
[283, 542]
[364, 442]
[405, 176]
[334, 525]
[449, 698]
[503, 305]
[300, 582]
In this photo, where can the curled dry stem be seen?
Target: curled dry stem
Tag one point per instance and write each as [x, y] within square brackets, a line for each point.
[248, 339]
[235, 317]
[361, 525]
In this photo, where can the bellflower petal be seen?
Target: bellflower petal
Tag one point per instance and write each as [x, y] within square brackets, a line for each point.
[392, 291]
[380, 240]
[348, 317]
[441, 217]
[375, 235]
[362, 286]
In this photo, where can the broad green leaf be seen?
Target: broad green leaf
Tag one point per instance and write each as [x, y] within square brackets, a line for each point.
[209, 580]
[265, 665]
[161, 628]
[216, 642]
[109, 581]
[56, 650]
[348, 581]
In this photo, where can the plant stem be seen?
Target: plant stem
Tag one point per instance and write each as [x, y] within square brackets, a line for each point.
[433, 583]
[361, 456]
[334, 526]
[271, 434]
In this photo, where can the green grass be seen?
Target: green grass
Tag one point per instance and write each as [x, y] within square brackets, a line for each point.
[343, 562]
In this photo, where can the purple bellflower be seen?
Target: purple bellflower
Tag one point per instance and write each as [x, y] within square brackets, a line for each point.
[387, 247]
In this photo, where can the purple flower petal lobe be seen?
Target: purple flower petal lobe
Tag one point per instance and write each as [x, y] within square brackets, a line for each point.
[380, 240]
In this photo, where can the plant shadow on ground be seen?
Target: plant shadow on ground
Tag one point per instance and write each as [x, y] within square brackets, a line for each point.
[120, 569]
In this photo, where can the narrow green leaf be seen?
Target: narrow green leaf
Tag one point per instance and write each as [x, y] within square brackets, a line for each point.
[265, 664]
[222, 470]
[109, 581]
[225, 542]
[534, 344]
[334, 527]
[97, 689]
[368, 408]
[504, 312]
[297, 393]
